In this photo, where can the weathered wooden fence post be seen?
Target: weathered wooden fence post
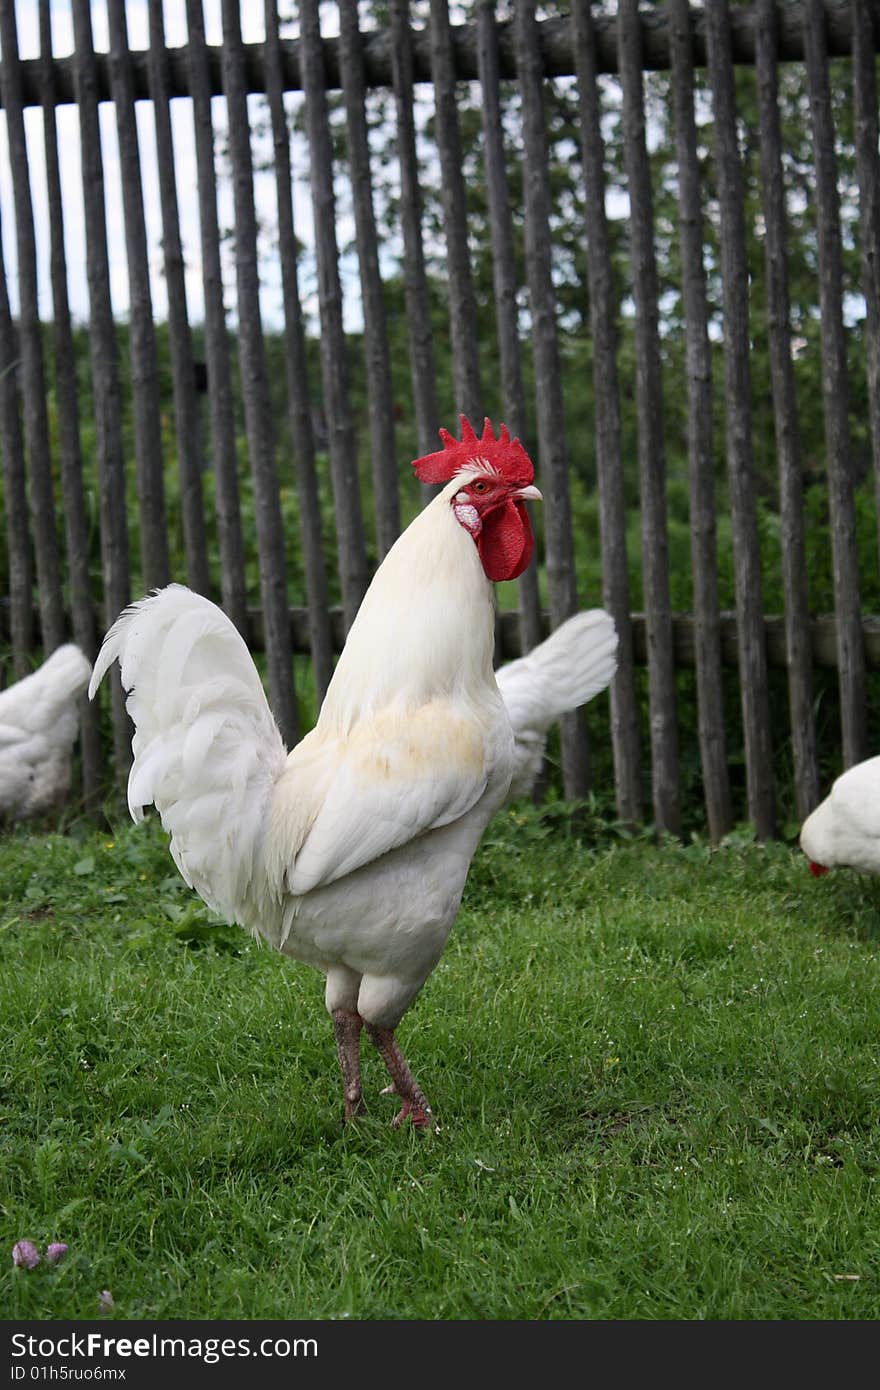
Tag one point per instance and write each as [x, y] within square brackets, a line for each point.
[552, 453]
[652, 452]
[255, 389]
[462, 303]
[187, 424]
[505, 284]
[18, 531]
[867, 136]
[30, 346]
[155, 569]
[701, 452]
[418, 310]
[224, 457]
[794, 562]
[740, 461]
[76, 526]
[351, 545]
[609, 456]
[299, 403]
[835, 393]
[380, 404]
[106, 393]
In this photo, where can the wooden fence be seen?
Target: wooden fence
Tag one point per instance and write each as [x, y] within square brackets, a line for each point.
[512, 57]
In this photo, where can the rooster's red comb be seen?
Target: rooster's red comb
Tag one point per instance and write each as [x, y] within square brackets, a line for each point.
[503, 456]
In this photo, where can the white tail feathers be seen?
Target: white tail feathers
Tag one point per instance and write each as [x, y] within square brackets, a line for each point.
[206, 749]
[575, 663]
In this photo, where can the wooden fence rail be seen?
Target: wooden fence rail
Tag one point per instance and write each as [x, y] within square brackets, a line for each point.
[233, 461]
[556, 44]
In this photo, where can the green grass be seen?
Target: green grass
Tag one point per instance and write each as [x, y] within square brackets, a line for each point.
[654, 1068]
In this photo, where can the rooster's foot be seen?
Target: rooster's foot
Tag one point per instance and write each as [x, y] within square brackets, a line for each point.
[354, 1109]
[420, 1117]
[403, 1084]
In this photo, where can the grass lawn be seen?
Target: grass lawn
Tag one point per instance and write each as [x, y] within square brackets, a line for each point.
[655, 1071]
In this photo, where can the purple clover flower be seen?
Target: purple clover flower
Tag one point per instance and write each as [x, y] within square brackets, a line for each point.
[25, 1254]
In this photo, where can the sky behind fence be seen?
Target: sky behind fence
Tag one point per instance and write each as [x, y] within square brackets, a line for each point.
[253, 31]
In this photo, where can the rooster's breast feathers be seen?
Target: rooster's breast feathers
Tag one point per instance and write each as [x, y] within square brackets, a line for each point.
[395, 777]
[413, 734]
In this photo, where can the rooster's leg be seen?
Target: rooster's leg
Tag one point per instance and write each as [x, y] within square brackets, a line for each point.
[347, 1027]
[402, 1080]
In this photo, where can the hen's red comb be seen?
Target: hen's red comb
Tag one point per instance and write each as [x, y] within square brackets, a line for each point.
[503, 456]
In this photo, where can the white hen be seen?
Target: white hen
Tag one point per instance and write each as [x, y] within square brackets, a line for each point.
[572, 665]
[350, 852]
[844, 829]
[38, 727]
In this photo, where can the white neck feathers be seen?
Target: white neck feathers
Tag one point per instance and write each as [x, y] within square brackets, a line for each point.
[425, 627]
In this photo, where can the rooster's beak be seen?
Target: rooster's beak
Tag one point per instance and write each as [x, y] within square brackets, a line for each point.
[528, 494]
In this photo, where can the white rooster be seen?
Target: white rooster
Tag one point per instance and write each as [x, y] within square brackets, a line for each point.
[39, 722]
[844, 829]
[576, 662]
[351, 852]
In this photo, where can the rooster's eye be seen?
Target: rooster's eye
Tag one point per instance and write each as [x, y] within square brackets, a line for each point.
[479, 487]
